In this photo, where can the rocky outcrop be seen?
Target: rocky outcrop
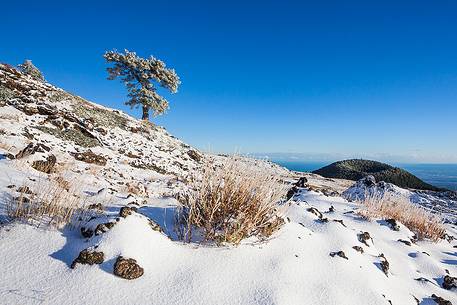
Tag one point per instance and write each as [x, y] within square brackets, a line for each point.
[32, 148]
[45, 166]
[90, 157]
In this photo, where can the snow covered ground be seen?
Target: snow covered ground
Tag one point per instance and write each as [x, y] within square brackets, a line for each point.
[293, 267]
[324, 254]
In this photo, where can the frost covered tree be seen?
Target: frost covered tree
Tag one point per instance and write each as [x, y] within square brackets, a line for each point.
[142, 76]
[28, 68]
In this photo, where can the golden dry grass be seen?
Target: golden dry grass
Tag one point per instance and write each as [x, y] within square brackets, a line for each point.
[232, 201]
[423, 223]
[48, 203]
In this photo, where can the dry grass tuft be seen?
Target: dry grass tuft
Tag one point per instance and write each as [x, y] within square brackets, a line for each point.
[423, 223]
[48, 203]
[232, 201]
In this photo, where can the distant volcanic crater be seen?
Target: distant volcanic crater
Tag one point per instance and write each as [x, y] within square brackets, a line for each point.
[356, 169]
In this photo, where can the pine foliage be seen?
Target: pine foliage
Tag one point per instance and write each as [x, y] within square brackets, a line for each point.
[141, 76]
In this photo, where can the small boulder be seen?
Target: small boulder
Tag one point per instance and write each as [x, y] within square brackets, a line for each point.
[406, 242]
[315, 211]
[301, 182]
[104, 227]
[194, 155]
[384, 264]
[96, 207]
[291, 192]
[127, 268]
[86, 232]
[32, 148]
[338, 253]
[393, 224]
[440, 301]
[340, 221]
[358, 249]
[449, 282]
[45, 166]
[88, 257]
[90, 157]
[126, 211]
[364, 238]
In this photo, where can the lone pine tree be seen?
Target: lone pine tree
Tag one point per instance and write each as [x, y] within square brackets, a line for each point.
[141, 77]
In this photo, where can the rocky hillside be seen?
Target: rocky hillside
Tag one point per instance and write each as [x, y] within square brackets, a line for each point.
[356, 169]
[34, 113]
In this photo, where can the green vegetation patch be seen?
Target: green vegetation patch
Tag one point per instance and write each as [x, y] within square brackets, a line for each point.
[100, 116]
[6, 93]
[73, 135]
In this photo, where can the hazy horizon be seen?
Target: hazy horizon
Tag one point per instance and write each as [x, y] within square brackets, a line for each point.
[330, 158]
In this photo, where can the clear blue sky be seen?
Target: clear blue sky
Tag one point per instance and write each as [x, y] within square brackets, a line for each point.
[360, 78]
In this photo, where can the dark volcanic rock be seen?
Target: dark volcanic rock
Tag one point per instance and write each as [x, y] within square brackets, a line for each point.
[440, 301]
[194, 155]
[90, 157]
[45, 166]
[449, 282]
[126, 211]
[406, 242]
[358, 249]
[339, 253]
[364, 237]
[393, 224]
[32, 148]
[291, 192]
[301, 182]
[384, 264]
[86, 232]
[127, 268]
[315, 211]
[88, 257]
[104, 227]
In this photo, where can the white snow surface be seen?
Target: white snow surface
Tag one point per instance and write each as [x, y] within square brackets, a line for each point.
[292, 267]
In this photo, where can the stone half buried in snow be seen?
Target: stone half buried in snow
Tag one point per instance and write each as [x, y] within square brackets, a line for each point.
[88, 257]
[45, 166]
[449, 282]
[32, 148]
[440, 301]
[126, 211]
[90, 157]
[127, 268]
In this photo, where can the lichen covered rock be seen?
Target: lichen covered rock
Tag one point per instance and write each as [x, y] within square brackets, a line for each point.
[127, 268]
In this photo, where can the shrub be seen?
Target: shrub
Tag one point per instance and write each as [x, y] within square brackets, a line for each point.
[423, 223]
[230, 202]
[29, 69]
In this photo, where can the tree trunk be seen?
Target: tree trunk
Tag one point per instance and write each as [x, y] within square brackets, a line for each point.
[145, 113]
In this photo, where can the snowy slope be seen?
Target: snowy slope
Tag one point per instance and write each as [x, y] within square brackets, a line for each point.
[141, 166]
